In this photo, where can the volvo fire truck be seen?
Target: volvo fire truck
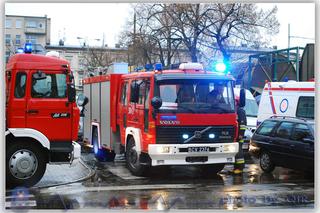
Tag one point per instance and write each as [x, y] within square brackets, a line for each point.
[41, 117]
[163, 118]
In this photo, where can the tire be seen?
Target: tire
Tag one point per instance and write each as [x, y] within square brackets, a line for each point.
[266, 163]
[132, 160]
[25, 164]
[212, 169]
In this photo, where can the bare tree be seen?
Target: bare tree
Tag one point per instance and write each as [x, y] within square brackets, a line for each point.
[239, 23]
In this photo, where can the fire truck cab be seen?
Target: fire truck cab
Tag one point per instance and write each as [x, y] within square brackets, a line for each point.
[41, 117]
[185, 116]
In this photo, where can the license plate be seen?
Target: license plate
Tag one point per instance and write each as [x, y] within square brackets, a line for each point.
[198, 149]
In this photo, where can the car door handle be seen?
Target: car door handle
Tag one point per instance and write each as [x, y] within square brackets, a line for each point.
[32, 111]
[292, 145]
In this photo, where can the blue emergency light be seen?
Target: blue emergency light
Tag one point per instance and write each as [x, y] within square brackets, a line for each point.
[148, 67]
[220, 67]
[158, 66]
[28, 48]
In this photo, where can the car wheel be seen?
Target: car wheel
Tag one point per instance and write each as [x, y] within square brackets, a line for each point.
[25, 164]
[266, 163]
[132, 159]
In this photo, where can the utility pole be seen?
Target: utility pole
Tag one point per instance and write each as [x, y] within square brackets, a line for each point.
[134, 36]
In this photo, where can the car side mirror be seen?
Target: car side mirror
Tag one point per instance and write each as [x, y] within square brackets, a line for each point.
[242, 98]
[39, 75]
[71, 93]
[308, 140]
[156, 102]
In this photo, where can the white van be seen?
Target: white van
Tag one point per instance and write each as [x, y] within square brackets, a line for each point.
[251, 109]
[292, 99]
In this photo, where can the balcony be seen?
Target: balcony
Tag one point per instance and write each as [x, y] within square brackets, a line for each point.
[33, 30]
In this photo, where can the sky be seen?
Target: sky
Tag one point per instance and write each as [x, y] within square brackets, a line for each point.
[93, 21]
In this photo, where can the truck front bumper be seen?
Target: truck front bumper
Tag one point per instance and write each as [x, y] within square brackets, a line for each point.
[192, 154]
[76, 153]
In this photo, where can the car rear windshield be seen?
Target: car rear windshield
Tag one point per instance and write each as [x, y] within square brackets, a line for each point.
[266, 127]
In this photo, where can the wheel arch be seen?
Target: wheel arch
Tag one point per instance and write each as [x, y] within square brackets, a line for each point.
[135, 134]
[29, 134]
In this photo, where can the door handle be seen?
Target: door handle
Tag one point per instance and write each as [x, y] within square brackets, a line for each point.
[135, 119]
[292, 145]
[32, 111]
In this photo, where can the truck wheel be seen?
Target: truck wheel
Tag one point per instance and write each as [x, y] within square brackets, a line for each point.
[132, 159]
[212, 169]
[266, 163]
[25, 164]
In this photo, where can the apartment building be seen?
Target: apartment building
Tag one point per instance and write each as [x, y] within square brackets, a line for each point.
[26, 29]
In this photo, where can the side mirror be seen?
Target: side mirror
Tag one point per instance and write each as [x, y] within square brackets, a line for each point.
[156, 102]
[39, 75]
[242, 98]
[82, 100]
[134, 96]
[71, 93]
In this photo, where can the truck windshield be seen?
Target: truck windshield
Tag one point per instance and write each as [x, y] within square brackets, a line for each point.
[196, 96]
[251, 108]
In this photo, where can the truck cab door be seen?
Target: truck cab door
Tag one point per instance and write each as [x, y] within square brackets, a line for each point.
[17, 104]
[48, 109]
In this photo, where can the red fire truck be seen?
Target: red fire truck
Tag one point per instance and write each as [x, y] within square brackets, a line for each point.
[41, 117]
[163, 117]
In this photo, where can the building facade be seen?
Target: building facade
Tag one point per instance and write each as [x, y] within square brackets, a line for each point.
[26, 29]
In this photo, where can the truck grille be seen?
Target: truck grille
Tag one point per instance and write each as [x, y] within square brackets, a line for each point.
[214, 134]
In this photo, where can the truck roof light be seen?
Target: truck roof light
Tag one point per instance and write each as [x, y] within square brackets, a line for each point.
[191, 66]
[148, 67]
[20, 50]
[220, 67]
[158, 66]
[53, 54]
[28, 48]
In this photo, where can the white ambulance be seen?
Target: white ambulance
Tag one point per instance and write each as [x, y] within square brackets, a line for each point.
[292, 99]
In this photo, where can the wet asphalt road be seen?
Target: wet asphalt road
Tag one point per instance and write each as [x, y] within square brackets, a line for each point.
[180, 187]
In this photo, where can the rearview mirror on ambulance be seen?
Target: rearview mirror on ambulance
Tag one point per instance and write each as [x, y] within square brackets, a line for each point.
[39, 75]
[156, 102]
[242, 99]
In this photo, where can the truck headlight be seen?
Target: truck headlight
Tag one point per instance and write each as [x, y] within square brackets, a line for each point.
[164, 149]
[229, 148]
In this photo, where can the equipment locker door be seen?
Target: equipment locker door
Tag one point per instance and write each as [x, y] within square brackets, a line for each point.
[48, 109]
[123, 109]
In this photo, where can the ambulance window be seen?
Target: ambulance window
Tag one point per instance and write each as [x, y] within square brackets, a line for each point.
[305, 107]
[124, 94]
[20, 87]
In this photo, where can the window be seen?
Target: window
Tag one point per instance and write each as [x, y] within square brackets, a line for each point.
[31, 39]
[18, 39]
[195, 95]
[266, 127]
[301, 131]
[305, 107]
[8, 38]
[284, 130]
[124, 94]
[144, 87]
[53, 86]
[18, 24]
[20, 86]
[31, 24]
[7, 56]
[8, 23]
